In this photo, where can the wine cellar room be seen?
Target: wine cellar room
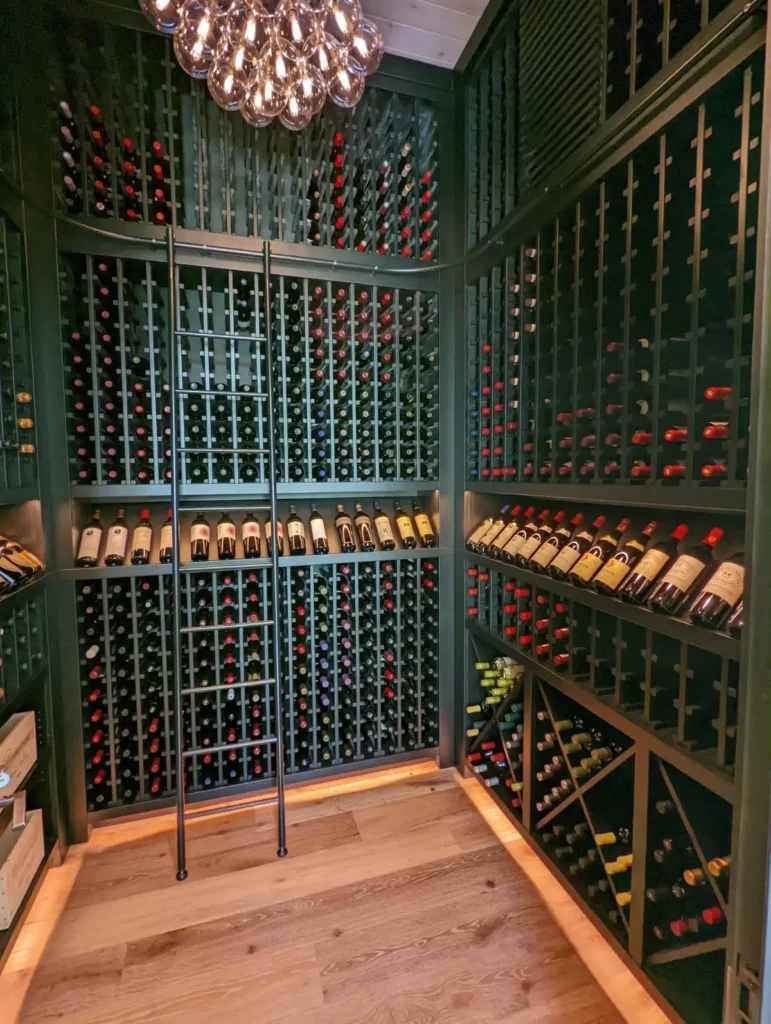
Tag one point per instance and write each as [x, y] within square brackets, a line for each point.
[382, 489]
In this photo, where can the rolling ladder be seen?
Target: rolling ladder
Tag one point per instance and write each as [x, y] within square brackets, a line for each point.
[184, 689]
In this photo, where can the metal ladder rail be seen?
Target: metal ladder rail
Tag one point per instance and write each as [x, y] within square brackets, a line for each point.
[178, 568]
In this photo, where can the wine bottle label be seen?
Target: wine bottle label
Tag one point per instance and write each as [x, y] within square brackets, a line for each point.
[346, 534]
[516, 542]
[423, 523]
[685, 570]
[477, 534]
[200, 531]
[547, 552]
[384, 531]
[226, 531]
[727, 582]
[167, 537]
[250, 530]
[295, 530]
[651, 564]
[89, 542]
[568, 557]
[505, 535]
[366, 534]
[318, 529]
[532, 544]
[405, 527]
[614, 572]
[588, 566]
[143, 538]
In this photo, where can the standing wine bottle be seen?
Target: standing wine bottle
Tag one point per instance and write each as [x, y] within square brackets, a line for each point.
[486, 525]
[684, 575]
[269, 537]
[226, 538]
[142, 540]
[363, 529]
[90, 542]
[405, 527]
[658, 556]
[295, 533]
[553, 544]
[250, 536]
[344, 527]
[318, 532]
[166, 548]
[536, 539]
[117, 540]
[592, 560]
[385, 533]
[523, 534]
[423, 525]
[615, 571]
[720, 593]
[578, 544]
[200, 539]
[516, 522]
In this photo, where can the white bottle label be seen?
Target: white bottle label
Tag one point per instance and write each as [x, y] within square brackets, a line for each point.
[384, 531]
[250, 530]
[685, 570]
[116, 541]
[480, 531]
[727, 582]
[143, 538]
[651, 564]
[200, 531]
[295, 530]
[547, 552]
[505, 535]
[516, 542]
[318, 529]
[492, 532]
[532, 544]
[568, 557]
[226, 531]
[405, 528]
[167, 536]
[89, 542]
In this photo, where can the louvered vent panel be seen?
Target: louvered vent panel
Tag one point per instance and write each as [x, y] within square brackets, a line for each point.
[560, 82]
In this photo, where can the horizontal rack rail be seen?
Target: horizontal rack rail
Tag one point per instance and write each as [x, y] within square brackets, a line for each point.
[687, 499]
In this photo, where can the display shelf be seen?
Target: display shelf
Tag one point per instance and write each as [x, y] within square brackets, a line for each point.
[678, 629]
[686, 499]
[241, 493]
[697, 766]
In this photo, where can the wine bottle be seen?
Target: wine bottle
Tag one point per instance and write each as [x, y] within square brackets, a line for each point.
[295, 533]
[502, 538]
[486, 524]
[90, 542]
[617, 568]
[200, 539]
[553, 544]
[226, 538]
[720, 593]
[424, 527]
[344, 527]
[651, 565]
[592, 560]
[117, 539]
[250, 536]
[536, 539]
[684, 575]
[166, 549]
[493, 530]
[383, 528]
[269, 537]
[142, 540]
[521, 536]
[405, 527]
[318, 532]
[364, 529]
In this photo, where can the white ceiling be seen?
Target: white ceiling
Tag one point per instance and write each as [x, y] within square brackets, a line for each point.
[433, 31]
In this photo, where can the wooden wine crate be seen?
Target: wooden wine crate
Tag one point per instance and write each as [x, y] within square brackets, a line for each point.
[21, 853]
[18, 751]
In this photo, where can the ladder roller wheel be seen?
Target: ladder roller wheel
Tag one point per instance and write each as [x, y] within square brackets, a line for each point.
[181, 876]
[282, 852]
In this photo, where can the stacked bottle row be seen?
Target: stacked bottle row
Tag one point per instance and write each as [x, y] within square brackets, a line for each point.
[614, 346]
[22, 645]
[355, 375]
[18, 464]
[688, 691]
[359, 670]
[366, 180]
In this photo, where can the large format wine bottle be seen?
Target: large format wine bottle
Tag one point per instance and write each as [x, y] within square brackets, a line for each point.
[250, 536]
[615, 571]
[295, 532]
[318, 532]
[90, 542]
[579, 543]
[166, 547]
[142, 540]
[658, 556]
[200, 538]
[720, 593]
[592, 560]
[684, 575]
[269, 537]
[553, 544]
[117, 539]
[226, 538]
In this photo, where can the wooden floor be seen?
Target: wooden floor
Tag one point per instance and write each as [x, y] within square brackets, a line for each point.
[397, 905]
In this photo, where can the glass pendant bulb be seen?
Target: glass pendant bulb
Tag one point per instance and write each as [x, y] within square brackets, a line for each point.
[325, 57]
[163, 15]
[229, 74]
[248, 22]
[297, 25]
[365, 50]
[195, 41]
[311, 88]
[296, 115]
[265, 97]
[280, 63]
[346, 87]
[342, 19]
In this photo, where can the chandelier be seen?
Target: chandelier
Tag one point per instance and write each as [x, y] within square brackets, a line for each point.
[272, 60]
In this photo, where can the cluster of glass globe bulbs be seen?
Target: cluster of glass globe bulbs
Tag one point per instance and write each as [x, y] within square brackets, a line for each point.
[272, 59]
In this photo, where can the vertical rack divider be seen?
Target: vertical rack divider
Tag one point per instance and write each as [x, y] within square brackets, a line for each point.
[398, 377]
[353, 366]
[599, 336]
[658, 435]
[138, 688]
[217, 696]
[310, 619]
[290, 696]
[110, 694]
[155, 381]
[357, 651]
[165, 658]
[376, 384]
[626, 390]
[402, 580]
[332, 390]
[284, 403]
[418, 678]
[124, 380]
[142, 137]
[379, 682]
[94, 373]
[576, 331]
[308, 441]
[418, 418]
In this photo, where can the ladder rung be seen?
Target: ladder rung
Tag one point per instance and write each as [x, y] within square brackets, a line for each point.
[245, 805]
[224, 451]
[218, 337]
[222, 394]
[227, 625]
[227, 686]
[216, 565]
[268, 741]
